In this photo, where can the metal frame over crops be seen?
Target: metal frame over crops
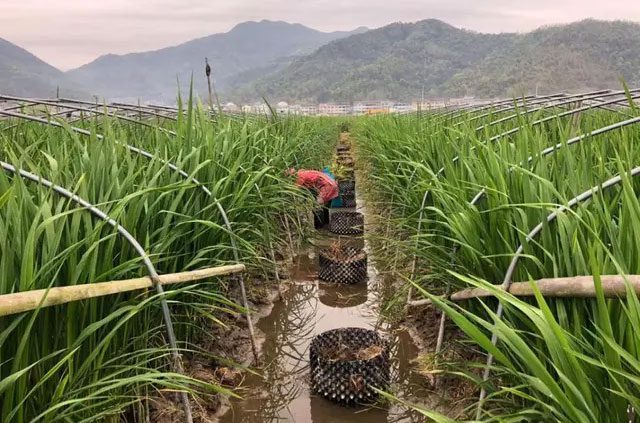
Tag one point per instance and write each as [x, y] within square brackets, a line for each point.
[536, 193]
[154, 199]
[459, 190]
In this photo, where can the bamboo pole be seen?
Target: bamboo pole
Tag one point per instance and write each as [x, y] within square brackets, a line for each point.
[211, 88]
[613, 286]
[30, 300]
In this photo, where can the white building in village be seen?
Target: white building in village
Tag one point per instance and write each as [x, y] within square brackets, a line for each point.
[401, 108]
[282, 108]
[308, 110]
[295, 109]
[230, 108]
[260, 109]
[333, 109]
[345, 109]
[431, 104]
[365, 107]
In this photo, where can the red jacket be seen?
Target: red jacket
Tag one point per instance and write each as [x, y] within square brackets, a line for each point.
[326, 186]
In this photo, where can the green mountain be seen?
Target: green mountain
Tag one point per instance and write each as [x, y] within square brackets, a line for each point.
[23, 74]
[584, 55]
[250, 50]
[399, 60]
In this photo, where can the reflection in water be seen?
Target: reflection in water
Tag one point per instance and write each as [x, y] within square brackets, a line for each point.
[343, 295]
[281, 391]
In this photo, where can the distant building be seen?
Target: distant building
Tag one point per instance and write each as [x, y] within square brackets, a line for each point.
[362, 108]
[358, 108]
[295, 109]
[386, 104]
[379, 111]
[430, 105]
[332, 109]
[282, 107]
[401, 108]
[260, 109]
[380, 107]
[230, 108]
[309, 110]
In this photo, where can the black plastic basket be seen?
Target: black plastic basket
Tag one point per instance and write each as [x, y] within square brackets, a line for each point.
[347, 185]
[351, 269]
[346, 223]
[348, 202]
[348, 195]
[347, 363]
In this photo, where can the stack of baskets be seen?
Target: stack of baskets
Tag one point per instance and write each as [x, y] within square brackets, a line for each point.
[346, 222]
[348, 364]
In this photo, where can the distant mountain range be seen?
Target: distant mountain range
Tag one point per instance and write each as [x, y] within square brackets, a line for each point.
[398, 61]
[283, 61]
[249, 51]
[23, 74]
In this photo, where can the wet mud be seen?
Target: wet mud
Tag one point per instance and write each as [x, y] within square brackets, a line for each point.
[280, 390]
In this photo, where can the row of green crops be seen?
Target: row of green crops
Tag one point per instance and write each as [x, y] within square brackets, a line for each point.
[93, 360]
[556, 359]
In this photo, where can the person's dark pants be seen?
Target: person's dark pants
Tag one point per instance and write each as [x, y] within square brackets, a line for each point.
[321, 216]
[320, 213]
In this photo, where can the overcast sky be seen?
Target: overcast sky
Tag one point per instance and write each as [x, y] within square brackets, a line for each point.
[69, 33]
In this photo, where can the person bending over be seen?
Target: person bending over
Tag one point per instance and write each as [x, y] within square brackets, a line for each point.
[322, 185]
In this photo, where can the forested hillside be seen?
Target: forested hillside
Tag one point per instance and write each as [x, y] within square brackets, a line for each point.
[399, 60]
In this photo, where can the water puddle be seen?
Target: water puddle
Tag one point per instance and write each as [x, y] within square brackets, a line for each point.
[280, 392]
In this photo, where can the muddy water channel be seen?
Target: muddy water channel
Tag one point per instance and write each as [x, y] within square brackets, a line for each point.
[280, 390]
